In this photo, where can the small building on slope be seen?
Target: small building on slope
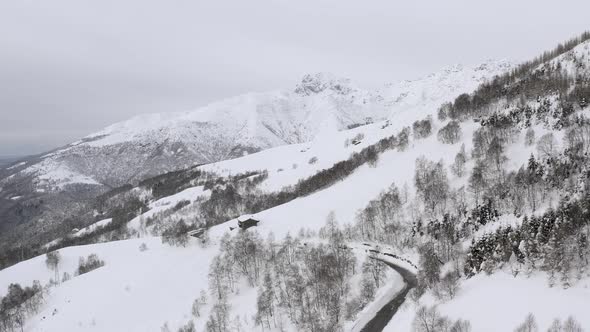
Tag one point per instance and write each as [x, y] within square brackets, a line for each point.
[247, 221]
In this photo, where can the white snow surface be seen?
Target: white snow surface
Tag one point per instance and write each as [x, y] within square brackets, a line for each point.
[134, 291]
[500, 302]
[57, 176]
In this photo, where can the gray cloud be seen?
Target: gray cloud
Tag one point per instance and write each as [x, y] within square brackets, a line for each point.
[71, 67]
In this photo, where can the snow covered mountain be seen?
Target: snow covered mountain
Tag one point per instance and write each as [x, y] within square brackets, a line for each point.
[488, 196]
[148, 145]
[151, 144]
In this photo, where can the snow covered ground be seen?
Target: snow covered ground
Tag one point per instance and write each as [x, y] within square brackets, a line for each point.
[172, 277]
[141, 290]
[500, 302]
[135, 290]
[158, 285]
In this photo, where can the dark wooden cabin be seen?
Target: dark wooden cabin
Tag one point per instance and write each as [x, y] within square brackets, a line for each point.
[247, 221]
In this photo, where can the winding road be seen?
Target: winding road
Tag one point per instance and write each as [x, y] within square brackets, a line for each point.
[384, 315]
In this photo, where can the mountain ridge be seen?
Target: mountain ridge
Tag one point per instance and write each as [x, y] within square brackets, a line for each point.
[256, 121]
[148, 145]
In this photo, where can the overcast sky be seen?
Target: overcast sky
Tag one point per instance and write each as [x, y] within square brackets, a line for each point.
[70, 67]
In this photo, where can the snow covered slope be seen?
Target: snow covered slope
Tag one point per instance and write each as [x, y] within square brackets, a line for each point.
[500, 302]
[319, 105]
[301, 132]
[138, 278]
[158, 285]
[316, 108]
[430, 92]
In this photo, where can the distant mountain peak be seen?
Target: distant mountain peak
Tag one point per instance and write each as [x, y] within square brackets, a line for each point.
[494, 65]
[320, 82]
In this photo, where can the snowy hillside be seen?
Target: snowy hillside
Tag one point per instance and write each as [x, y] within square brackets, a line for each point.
[462, 206]
[319, 105]
[161, 281]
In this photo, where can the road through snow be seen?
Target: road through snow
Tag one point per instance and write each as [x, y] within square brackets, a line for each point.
[384, 315]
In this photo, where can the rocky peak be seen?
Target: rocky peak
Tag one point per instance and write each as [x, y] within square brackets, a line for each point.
[319, 82]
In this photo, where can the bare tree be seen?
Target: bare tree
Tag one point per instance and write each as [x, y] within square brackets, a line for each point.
[219, 318]
[89, 264]
[52, 260]
[458, 167]
[449, 285]
[571, 325]
[547, 146]
[555, 326]
[431, 183]
[266, 302]
[461, 326]
[529, 137]
[429, 320]
[188, 327]
[422, 128]
[451, 133]
[529, 324]
[429, 274]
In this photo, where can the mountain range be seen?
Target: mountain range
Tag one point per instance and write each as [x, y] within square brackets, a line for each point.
[44, 187]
